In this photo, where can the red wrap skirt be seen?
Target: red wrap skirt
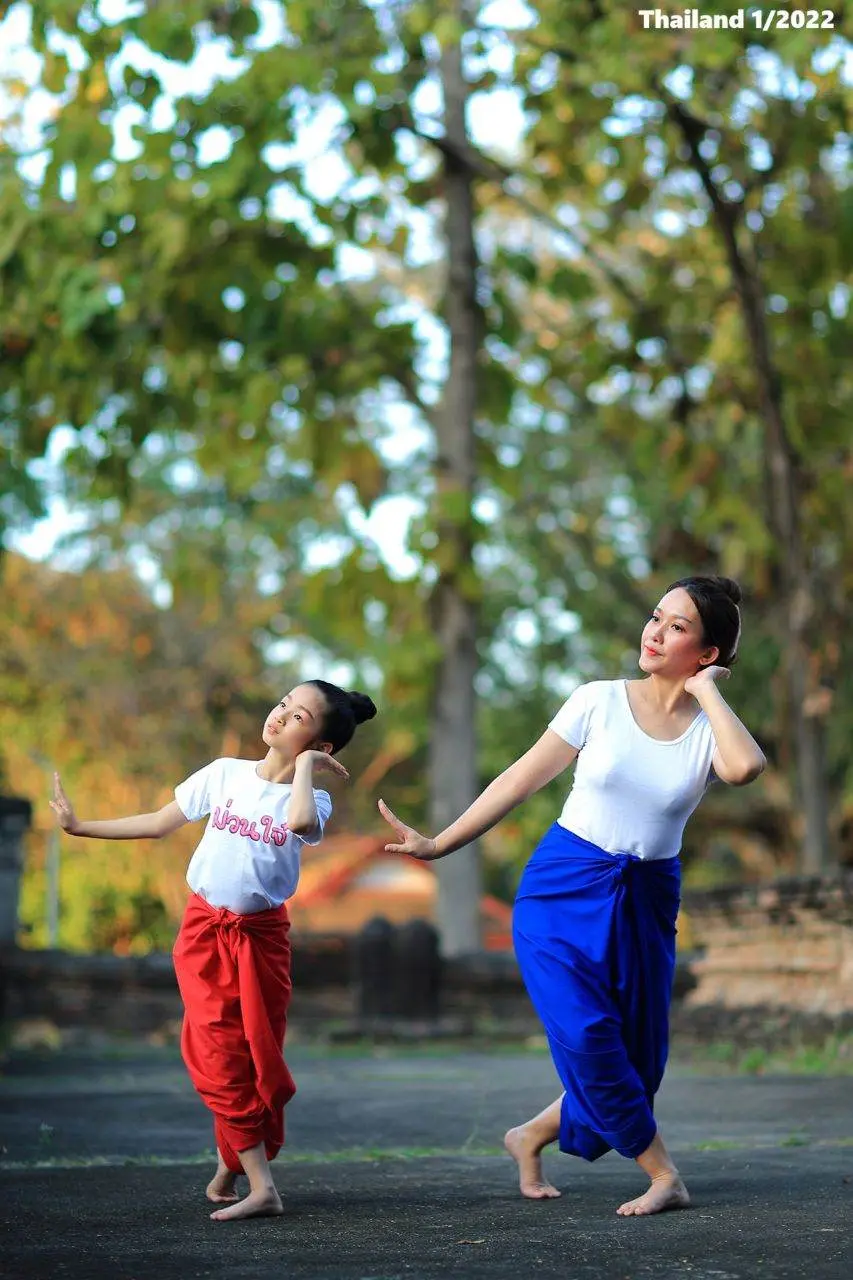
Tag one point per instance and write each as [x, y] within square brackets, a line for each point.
[233, 972]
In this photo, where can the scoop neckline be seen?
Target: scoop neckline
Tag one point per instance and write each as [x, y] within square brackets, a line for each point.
[267, 782]
[663, 742]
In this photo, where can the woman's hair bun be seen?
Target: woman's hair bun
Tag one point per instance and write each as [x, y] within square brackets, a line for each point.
[730, 588]
[363, 707]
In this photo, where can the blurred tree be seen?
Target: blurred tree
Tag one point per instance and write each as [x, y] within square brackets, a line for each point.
[643, 319]
[686, 322]
[177, 333]
[125, 699]
[236, 371]
[454, 603]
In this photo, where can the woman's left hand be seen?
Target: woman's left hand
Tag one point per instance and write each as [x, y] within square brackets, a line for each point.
[705, 679]
[410, 841]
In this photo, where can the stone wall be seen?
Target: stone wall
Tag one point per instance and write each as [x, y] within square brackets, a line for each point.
[106, 993]
[771, 962]
[138, 995]
[786, 946]
[480, 994]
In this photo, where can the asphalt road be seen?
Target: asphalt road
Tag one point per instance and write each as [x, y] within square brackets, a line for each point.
[394, 1169]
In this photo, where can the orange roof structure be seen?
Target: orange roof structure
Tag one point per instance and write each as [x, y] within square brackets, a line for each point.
[349, 879]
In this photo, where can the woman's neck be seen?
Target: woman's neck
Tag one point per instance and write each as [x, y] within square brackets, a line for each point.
[664, 696]
[275, 767]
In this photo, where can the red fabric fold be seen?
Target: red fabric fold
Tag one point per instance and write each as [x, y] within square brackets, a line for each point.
[233, 973]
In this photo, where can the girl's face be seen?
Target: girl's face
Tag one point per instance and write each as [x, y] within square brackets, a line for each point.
[673, 644]
[296, 723]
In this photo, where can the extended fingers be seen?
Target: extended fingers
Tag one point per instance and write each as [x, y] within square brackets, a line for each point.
[390, 816]
[330, 765]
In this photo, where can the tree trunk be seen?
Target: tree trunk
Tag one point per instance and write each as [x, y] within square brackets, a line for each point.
[817, 856]
[799, 589]
[800, 592]
[453, 772]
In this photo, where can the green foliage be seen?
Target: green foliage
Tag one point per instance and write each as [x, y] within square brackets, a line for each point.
[234, 393]
[647, 388]
[123, 923]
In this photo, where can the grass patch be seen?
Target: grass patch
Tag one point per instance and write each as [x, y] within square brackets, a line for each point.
[762, 1055]
[370, 1155]
[351, 1155]
[479, 1043]
[78, 1051]
[832, 1057]
[796, 1140]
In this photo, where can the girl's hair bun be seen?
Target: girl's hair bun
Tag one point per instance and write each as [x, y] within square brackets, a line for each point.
[363, 707]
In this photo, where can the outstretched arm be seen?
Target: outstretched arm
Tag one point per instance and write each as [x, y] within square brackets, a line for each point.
[532, 771]
[738, 758]
[141, 826]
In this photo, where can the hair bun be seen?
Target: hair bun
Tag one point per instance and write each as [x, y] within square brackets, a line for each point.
[730, 588]
[363, 707]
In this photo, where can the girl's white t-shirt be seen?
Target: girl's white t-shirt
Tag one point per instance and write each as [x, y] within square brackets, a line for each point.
[631, 793]
[247, 860]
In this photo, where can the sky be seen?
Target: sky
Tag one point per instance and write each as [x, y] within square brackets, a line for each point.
[495, 122]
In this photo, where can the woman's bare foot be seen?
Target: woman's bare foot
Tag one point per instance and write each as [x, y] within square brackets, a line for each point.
[220, 1189]
[527, 1154]
[666, 1192]
[257, 1204]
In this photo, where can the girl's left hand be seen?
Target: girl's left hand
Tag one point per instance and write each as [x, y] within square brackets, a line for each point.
[321, 761]
[705, 679]
[61, 806]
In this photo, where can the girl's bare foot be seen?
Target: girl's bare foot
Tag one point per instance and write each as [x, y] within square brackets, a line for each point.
[527, 1154]
[220, 1189]
[265, 1203]
[666, 1192]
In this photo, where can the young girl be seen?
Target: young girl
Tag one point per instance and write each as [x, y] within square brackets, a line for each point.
[594, 920]
[232, 954]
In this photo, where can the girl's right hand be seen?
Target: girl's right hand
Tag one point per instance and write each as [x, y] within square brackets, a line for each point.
[411, 841]
[61, 806]
[322, 762]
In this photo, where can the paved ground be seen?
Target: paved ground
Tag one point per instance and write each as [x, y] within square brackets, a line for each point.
[394, 1170]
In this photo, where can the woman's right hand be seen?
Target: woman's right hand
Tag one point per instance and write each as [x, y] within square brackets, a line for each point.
[61, 806]
[411, 841]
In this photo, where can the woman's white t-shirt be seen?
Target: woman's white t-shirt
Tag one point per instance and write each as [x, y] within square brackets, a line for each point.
[631, 793]
[247, 860]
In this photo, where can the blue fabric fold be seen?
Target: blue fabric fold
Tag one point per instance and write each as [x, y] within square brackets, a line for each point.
[594, 934]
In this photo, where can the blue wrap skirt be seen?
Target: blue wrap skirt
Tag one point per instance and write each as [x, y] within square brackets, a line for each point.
[594, 933]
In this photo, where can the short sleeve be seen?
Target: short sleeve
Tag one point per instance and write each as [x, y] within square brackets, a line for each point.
[323, 805]
[571, 723]
[193, 794]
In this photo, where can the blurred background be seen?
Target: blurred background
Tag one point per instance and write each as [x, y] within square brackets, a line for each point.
[417, 346]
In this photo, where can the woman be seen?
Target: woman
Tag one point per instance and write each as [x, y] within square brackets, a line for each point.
[594, 919]
[232, 954]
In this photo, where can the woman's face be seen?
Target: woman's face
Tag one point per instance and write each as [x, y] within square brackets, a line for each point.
[296, 723]
[673, 640]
